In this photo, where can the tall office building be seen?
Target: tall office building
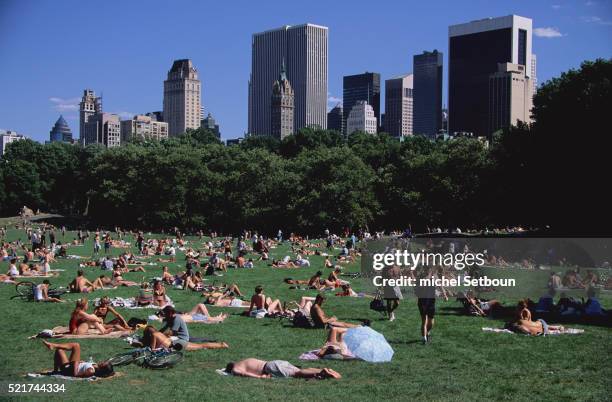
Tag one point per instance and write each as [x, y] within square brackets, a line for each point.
[60, 132]
[427, 69]
[335, 119]
[90, 105]
[303, 48]
[361, 118]
[534, 75]
[103, 128]
[182, 98]
[143, 127]
[282, 106]
[475, 49]
[399, 101]
[210, 123]
[8, 136]
[510, 96]
[361, 87]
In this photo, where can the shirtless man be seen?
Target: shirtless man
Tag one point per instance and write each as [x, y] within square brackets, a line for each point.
[256, 368]
[80, 284]
[321, 320]
[524, 324]
[262, 304]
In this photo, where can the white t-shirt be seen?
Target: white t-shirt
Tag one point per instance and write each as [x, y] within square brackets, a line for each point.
[13, 271]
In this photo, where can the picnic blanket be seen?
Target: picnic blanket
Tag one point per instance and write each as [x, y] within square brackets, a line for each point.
[132, 304]
[50, 373]
[314, 355]
[565, 331]
[64, 333]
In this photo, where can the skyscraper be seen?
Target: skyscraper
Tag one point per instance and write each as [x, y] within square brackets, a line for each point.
[334, 119]
[282, 106]
[399, 106]
[361, 118]
[103, 128]
[304, 50]
[475, 49]
[510, 96]
[427, 69]
[90, 105]
[182, 97]
[361, 87]
[60, 131]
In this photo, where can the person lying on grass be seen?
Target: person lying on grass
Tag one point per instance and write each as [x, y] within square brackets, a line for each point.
[335, 345]
[175, 334]
[321, 320]
[524, 325]
[102, 312]
[256, 368]
[199, 314]
[262, 304]
[81, 321]
[73, 366]
[41, 293]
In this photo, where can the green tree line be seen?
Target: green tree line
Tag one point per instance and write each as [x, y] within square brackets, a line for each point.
[317, 179]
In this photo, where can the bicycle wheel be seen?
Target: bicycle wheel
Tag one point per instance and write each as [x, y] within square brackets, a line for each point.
[25, 289]
[123, 359]
[165, 360]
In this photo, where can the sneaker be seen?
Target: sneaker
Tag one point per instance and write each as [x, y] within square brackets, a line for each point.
[424, 341]
[392, 317]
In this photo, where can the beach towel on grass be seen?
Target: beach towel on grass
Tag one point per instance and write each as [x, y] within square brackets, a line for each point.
[313, 355]
[47, 374]
[64, 333]
[566, 331]
[130, 303]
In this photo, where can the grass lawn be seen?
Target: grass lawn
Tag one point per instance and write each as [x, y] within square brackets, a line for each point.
[462, 362]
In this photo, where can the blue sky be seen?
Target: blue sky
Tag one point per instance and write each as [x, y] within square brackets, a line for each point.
[51, 50]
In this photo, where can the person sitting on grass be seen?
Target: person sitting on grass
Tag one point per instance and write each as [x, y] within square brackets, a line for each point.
[256, 368]
[102, 311]
[260, 304]
[175, 334]
[194, 281]
[167, 277]
[73, 366]
[80, 284]
[41, 293]
[159, 294]
[119, 281]
[81, 321]
[321, 320]
[103, 282]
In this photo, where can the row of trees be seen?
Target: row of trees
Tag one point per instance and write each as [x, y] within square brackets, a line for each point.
[316, 178]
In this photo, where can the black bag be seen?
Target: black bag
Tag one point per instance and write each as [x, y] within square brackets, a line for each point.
[133, 322]
[377, 304]
[300, 320]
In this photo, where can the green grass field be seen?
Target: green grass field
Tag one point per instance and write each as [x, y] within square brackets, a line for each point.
[462, 362]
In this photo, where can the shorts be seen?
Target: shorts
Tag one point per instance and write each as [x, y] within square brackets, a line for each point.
[179, 344]
[427, 306]
[199, 317]
[259, 313]
[544, 327]
[236, 303]
[280, 369]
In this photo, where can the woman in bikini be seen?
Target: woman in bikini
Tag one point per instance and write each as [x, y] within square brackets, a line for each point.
[73, 366]
[81, 321]
[118, 323]
[159, 294]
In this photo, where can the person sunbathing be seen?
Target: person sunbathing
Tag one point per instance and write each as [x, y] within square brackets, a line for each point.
[119, 281]
[335, 345]
[321, 320]
[73, 366]
[105, 307]
[167, 276]
[222, 300]
[283, 263]
[200, 314]
[175, 334]
[256, 368]
[480, 307]
[535, 328]
[262, 304]
[194, 281]
[347, 291]
[81, 321]
[41, 293]
[80, 284]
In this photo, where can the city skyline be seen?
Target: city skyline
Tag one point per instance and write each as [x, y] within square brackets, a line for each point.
[38, 89]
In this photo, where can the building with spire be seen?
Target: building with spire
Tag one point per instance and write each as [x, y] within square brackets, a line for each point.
[282, 106]
[61, 131]
[182, 98]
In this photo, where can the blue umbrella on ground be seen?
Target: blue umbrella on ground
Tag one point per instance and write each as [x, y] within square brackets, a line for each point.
[368, 345]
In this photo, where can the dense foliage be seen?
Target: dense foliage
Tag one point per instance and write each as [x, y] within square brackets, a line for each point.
[317, 179]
